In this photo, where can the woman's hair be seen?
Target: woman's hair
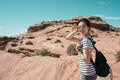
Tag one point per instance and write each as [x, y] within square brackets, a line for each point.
[86, 21]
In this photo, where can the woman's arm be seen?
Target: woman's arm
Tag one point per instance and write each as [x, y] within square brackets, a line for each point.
[85, 56]
[71, 37]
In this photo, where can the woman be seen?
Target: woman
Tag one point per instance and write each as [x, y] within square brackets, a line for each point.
[87, 70]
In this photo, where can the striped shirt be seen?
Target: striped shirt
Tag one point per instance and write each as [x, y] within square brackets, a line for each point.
[86, 69]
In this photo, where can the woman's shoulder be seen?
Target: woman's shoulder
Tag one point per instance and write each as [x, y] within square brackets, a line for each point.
[87, 40]
[88, 37]
[87, 43]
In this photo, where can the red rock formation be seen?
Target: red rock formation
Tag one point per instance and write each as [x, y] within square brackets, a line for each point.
[96, 22]
[41, 26]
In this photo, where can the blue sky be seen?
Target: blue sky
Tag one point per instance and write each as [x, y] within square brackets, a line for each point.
[17, 15]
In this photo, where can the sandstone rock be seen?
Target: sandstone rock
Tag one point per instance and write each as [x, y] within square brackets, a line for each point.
[38, 27]
[96, 22]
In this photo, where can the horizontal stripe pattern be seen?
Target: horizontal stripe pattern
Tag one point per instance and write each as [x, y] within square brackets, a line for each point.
[86, 69]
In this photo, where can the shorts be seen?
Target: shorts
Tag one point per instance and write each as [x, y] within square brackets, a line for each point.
[86, 77]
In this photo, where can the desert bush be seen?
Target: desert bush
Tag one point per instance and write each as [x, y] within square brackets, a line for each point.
[31, 37]
[71, 49]
[117, 34]
[14, 44]
[91, 31]
[14, 51]
[14, 40]
[118, 56]
[48, 38]
[94, 35]
[21, 48]
[67, 31]
[62, 46]
[44, 52]
[29, 43]
[58, 41]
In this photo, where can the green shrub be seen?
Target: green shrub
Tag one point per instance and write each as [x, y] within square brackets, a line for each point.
[71, 49]
[58, 41]
[44, 52]
[118, 56]
[29, 43]
[67, 31]
[14, 40]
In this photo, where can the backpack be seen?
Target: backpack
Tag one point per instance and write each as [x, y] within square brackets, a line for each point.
[101, 66]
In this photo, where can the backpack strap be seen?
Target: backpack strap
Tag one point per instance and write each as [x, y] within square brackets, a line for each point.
[93, 43]
[91, 60]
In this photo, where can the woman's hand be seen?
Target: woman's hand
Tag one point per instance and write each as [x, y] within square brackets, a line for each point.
[71, 37]
[78, 46]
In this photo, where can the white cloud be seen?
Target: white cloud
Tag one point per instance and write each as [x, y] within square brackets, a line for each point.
[23, 30]
[107, 17]
[102, 3]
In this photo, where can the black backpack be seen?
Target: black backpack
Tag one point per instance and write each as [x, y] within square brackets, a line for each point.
[102, 67]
